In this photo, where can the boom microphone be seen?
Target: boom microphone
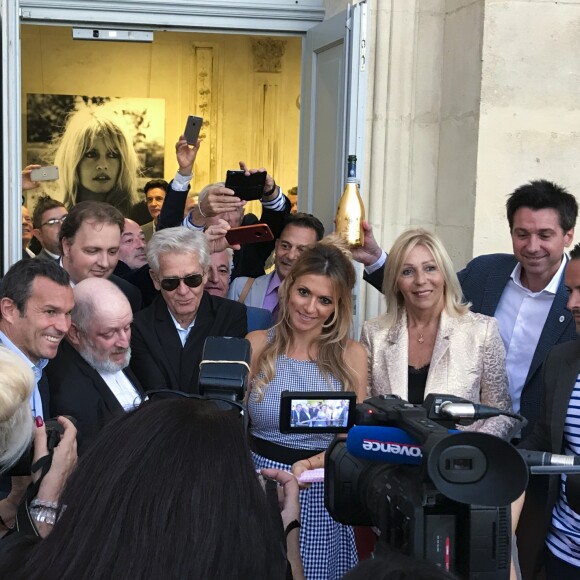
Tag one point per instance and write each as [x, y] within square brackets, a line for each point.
[543, 458]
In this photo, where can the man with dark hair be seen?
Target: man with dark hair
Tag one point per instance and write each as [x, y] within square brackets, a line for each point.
[524, 290]
[47, 219]
[35, 305]
[132, 250]
[301, 230]
[90, 378]
[90, 238]
[154, 191]
[548, 527]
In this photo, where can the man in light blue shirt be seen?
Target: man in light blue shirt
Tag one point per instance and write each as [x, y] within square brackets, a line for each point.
[35, 305]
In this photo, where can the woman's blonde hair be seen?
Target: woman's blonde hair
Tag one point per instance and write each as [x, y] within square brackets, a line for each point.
[329, 257]
[82, 129]
[454, 304]
[16, 423]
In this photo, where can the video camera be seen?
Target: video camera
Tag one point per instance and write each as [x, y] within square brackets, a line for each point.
[434, 493]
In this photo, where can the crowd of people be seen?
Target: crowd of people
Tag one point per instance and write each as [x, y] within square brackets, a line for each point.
[111, 309]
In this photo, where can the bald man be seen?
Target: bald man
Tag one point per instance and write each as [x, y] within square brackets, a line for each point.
[90, 378]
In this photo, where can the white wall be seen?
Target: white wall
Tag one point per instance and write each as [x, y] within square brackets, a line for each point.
[530, 107]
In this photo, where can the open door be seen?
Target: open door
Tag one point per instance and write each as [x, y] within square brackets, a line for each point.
[332, 114]
[334, 80]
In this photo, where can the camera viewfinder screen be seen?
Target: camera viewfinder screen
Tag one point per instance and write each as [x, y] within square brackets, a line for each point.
[319, 413]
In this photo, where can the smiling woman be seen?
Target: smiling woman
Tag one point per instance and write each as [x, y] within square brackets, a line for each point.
[309, 349]
[97, 160]
[428, 341]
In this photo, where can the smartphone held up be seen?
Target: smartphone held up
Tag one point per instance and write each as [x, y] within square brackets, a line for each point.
[192, 129]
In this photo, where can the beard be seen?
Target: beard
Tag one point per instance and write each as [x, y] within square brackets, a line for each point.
[107, 365]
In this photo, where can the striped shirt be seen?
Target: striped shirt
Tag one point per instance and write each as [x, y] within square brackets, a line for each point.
[564, 537]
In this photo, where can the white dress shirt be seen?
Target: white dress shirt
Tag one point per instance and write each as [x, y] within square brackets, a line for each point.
[122, 388]
[521, 315]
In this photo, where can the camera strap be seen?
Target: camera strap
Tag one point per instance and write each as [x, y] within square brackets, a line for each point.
[246, 289]
[24, 523]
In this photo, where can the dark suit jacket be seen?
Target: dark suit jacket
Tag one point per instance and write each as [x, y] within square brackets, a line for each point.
[77, 389]
[129, 290]
[558, 375]
[44, 255]
[159, 360]
[483, 281]
[140, 278]
[250, 259]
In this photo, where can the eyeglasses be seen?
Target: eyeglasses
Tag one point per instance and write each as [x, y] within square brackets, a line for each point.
[171, 284]
[53, 221]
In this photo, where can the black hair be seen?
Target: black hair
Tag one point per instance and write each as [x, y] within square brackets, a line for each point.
[575, 252]
[155, 183]
[44, 203]
[17, 283]
[305, 220]
[98, 211]
[167, 491]
[543, 194]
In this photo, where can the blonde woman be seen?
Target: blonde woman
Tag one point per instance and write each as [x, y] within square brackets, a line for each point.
[309, 349]
[428, 341]
[96, 160]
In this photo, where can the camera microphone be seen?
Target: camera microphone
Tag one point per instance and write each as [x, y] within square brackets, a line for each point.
[543, 458]
[468, 410]
[384, 444]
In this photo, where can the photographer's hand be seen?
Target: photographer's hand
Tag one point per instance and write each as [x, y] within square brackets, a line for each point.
[288, 498]
[64, 459]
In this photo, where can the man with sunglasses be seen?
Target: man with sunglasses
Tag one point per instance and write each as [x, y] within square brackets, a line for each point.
[168, 336]
[47, 218]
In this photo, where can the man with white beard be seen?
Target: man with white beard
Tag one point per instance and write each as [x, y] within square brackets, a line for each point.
[90, 378]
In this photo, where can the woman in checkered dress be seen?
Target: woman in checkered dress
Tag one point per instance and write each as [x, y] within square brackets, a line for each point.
[309, 349]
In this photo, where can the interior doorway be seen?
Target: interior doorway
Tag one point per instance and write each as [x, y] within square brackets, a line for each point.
[246, 87]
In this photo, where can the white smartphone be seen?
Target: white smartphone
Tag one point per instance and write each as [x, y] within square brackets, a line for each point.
[192, 129]
[48, 173]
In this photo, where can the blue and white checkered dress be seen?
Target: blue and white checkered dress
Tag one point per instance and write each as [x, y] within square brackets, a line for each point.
[327, 547]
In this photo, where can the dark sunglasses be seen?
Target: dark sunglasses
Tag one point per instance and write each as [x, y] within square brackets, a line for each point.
[171, 284]
[238, 409]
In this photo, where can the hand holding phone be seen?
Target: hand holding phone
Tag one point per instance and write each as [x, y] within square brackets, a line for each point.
[249, 234]
[48, 173]
[246, 187]
[192, 129]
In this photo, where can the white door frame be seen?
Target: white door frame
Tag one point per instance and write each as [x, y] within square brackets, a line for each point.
[272, 17]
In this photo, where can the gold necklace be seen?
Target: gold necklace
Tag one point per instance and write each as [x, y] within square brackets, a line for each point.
[420, 340]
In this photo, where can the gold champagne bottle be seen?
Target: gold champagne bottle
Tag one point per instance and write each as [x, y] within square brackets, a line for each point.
[351, 211]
